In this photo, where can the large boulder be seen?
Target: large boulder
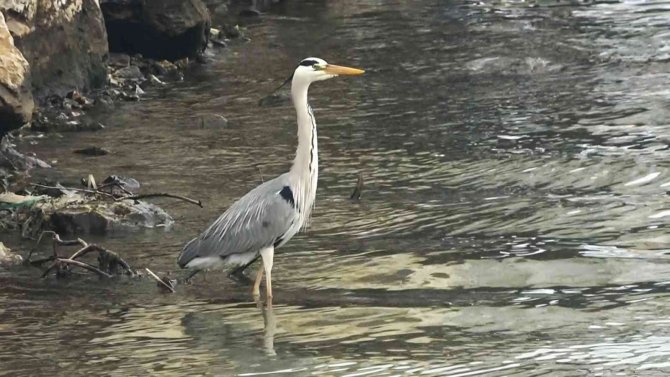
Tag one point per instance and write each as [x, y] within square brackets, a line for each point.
[16, 100]
[159, 29]
[64, 41]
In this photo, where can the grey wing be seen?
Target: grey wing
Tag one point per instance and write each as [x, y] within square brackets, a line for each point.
[257, 220]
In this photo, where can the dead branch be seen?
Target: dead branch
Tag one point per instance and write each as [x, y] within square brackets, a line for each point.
[86, 191]
[103, 254]
[59, 261]
[41, 261]
[56, 241]
[160, 281]
[136, 197]
[107, 259]
[127, 195]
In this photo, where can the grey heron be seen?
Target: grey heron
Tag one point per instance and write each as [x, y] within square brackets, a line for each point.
[271, 214]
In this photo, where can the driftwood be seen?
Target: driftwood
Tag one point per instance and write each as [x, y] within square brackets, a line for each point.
[108, 261]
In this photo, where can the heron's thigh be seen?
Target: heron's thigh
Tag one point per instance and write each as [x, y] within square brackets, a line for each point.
[268, 255]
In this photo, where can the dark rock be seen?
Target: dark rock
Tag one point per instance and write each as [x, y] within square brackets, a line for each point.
[118, 60]
[92, 151]
[250, 12]
[64, 42]
[164, 68]
[117, 185]
[82, 101]
[130, 73]
[52, 120]
[16, 100]
[221, 10]
[159, 29]
[231, 31]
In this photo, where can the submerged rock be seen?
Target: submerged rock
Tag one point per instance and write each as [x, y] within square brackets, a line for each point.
[92, 151]
[159, 29]
[16, 99]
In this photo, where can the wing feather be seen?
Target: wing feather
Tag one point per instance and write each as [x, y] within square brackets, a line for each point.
[255, 221]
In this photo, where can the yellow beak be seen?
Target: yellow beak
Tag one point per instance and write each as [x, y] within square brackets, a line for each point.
[343, 71]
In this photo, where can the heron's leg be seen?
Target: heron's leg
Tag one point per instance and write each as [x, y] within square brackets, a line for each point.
[191, 275]
[268, 255]
[238, 273]
[257, 284]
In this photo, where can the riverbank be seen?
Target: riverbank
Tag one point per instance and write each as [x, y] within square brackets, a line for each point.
[56, 83]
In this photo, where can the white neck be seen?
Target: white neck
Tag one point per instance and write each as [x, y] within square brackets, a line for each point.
[305, 169]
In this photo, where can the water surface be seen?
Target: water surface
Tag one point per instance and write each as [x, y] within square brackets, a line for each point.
[513, 220]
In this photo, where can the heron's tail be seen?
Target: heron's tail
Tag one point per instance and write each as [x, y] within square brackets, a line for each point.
[189, 252]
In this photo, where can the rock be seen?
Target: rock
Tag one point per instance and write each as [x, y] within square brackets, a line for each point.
[232, 31]
[92, 151]
[250, 12]
[155, 80]
[8, 258]
[117, 185]
[130, 73]
[10, 158]
[221, 10]
[212, 121]
[64, 42]
[165, 68]
[74, 214]
[83, 101]
[16, 99]
[118, 60]
[169, 29]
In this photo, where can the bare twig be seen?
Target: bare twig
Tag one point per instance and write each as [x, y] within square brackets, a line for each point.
[124, 197]
[40, 261]
[160, 281]
[136, 197]
[356, 195]
[77, 263]
[56, 241]
[87, 191]
[107, 258]
[108, 253]
[115, 184]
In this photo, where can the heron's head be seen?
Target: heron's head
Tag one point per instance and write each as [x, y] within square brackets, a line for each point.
[315, 69]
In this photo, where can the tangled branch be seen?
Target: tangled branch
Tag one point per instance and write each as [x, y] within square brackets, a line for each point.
[108, 261]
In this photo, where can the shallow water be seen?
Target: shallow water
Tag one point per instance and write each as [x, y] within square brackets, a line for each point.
[513, 220]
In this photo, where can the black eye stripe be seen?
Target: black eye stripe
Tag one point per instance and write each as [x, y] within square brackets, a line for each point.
[308, 63]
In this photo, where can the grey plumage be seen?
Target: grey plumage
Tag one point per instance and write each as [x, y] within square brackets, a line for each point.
[261, 218]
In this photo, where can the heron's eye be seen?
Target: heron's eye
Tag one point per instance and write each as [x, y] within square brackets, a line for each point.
[318, 67]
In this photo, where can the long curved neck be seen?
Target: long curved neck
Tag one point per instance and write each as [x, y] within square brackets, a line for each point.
[304, 171]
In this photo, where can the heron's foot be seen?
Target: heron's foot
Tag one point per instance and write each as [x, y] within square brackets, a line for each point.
[189, 279]
[238, 276]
